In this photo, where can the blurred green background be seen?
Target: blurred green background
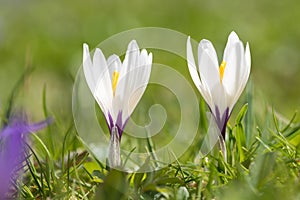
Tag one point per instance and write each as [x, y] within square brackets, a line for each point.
[48, 36]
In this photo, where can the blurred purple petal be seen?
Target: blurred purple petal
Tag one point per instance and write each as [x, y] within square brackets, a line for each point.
[40, 125]
[12, 148]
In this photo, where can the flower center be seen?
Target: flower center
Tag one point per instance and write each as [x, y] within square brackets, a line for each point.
[115, 77]
[222, 68]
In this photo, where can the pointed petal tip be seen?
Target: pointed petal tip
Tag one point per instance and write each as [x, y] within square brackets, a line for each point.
[85, 46]
[189, 52]
[145, 56]
[233, 33]
[204, 43]
[233, 36]
[247, 50]
[150, 58]
[98, 52]
[86, 51]
[144, 52]
[247, 45]
[133, 41]
[133, 45]
[189, 48]
[114, 59]
[188, 42]
[248, 55]
[86, 59]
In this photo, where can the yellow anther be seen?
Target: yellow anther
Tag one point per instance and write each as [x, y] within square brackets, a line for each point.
[222, 69]
[115, 77]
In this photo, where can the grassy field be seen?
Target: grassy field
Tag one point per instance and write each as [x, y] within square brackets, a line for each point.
[42, 40]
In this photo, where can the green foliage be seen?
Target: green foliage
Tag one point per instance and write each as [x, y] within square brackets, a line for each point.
[267, 168]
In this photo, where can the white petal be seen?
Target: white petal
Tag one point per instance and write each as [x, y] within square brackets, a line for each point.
[208, 64]
[139, 88]
[133, 46]
[133, 53]
[235, 79]
[98, 79]
[247, 63]
[130, 62]
[247, 55]
[125, 81]
[99, 65]
[246, 66]
[232, 40]
[131, 57]
[219, 99]
[143, 58]
[103, 94]
[234, 71]
[246, 72]
[86, 54]
[143, 75]
[139, 78]
[201, 86]
[207, 94]
[191, 64]
[114, 64]
[88, 68]
[150, 58]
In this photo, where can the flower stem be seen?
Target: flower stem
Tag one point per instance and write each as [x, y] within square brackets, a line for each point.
[223, 147]
[114, 159]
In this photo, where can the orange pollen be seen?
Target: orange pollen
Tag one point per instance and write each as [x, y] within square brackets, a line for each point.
[222, 69]
[115, 77]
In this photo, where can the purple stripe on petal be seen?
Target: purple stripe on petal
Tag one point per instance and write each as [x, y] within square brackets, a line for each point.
[119, 124]
[225, 119]
[222, 120]
[110, 122]
[119, 119]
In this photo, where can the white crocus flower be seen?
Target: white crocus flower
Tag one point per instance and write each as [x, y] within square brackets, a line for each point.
[117, 88]
[220, 85]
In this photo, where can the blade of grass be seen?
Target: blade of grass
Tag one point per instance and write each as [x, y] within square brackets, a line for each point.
[44, 103]
[31, 170]
[63, 147]
[15, 91]
[290, 123]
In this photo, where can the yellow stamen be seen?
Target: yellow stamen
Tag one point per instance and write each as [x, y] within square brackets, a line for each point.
[115, 77]
[222, 69]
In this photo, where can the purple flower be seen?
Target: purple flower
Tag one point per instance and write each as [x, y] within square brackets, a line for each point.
[12, 149]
